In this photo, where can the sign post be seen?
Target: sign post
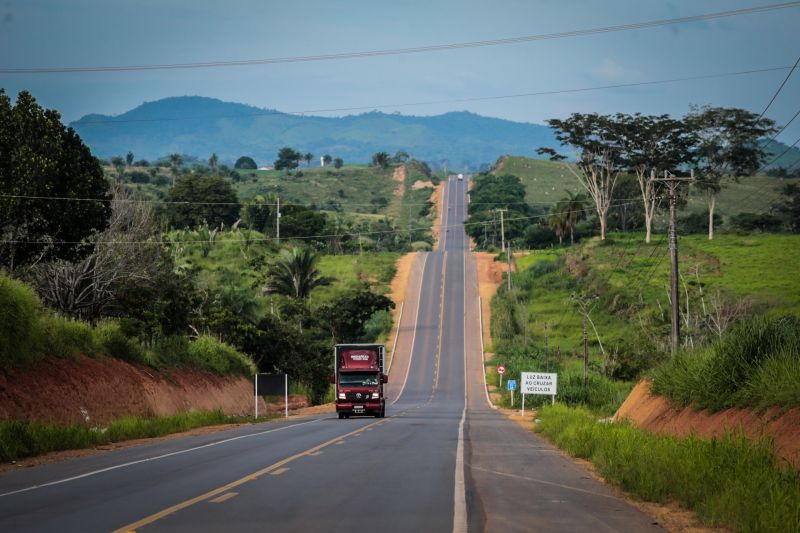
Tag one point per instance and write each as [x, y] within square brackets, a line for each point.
[272, 385]
[538, 383]
[501, 370]
[512, 386]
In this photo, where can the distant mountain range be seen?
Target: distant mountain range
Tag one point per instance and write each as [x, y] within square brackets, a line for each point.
[201, 126]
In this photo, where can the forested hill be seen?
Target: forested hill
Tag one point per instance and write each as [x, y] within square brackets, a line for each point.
[200, 126]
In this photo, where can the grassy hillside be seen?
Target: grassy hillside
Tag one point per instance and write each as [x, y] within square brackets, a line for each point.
[545, 182]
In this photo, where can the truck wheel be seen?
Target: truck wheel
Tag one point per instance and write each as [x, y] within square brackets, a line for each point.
[383, 413]
[341, 415]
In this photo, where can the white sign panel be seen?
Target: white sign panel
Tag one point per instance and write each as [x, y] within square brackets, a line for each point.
[539, 383]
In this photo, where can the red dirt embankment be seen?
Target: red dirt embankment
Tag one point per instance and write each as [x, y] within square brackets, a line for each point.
[657, 415]
[97, 391]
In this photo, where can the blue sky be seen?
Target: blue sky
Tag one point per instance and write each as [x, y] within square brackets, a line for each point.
[37, 33]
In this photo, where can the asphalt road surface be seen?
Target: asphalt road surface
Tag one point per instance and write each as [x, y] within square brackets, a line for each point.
[441, 460]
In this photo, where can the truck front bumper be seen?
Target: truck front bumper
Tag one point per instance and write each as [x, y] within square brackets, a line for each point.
[367, 407]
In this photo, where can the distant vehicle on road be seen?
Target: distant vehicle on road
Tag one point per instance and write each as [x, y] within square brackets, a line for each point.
[460, 177]
[359, 378]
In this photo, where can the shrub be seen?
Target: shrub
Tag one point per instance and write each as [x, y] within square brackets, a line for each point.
[172, 350]
[19, 306]
[210, 354]
[736, 370]
[112, 342]
[66, 337]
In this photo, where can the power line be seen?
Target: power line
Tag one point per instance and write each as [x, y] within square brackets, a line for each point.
[774, 96]
[447, 101]
[304, 237]
[408, 50]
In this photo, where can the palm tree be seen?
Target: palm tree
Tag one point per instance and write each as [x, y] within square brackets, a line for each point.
[573, 210]
[558, 224]
[212, 162]
[295, 274]
[307, 157]
[175, 162]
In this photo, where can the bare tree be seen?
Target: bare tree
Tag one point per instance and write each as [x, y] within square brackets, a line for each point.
[128, 249]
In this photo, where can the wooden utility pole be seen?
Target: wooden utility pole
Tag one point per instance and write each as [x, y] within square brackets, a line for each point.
[673, 183]
[502, 231]
[508, 257]
[546, 359]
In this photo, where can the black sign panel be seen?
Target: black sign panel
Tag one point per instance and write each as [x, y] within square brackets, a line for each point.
[271, 384]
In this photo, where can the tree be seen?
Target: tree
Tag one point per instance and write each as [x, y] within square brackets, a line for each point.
[175, 162]
[245, 163]
[790, 206]
[338, 162]
[348, 314]
[119, 165]
[726, 148]
[40, 157]
[288, 159]
[572, 209]
[400, 157]
[295, 274]
[307, 157]
[558, 223]
[380, 159]
[651, 145]
[127, 251]
[326, 159]
[209, 199]
[596, 139]
[129, 158]
[213, 161]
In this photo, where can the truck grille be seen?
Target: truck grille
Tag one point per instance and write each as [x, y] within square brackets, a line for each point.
[358, 396]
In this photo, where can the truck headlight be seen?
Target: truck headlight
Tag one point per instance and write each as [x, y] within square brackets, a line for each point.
[342, 396]
[375, 395]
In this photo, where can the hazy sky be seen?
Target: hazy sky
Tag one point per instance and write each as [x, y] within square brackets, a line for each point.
[40, 33]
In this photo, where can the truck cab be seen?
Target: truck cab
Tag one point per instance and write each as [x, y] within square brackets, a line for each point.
[359, 379]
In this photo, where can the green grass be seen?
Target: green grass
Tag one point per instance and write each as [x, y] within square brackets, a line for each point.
[730, 482]
[545, 181]
[756, 363]
[352, 270]
[20, 439]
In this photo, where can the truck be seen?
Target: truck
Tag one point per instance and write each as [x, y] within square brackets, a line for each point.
[359, 379]
[460, 177]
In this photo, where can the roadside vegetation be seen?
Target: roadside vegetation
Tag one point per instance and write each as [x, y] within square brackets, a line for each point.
[20, 439]
[730, 482]
[597, 264]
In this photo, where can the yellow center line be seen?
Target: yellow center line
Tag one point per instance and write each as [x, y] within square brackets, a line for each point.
[224, 497]
[250, 477]
[279, 471]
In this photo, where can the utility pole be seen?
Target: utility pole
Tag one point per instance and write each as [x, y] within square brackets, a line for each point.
[585, 354]
[673, 183]
[508, 257]
[278, 220]
[502, 230]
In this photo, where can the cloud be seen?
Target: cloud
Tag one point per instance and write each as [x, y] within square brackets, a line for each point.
[609, 70]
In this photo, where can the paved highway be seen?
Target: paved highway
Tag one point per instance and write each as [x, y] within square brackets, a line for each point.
[442, 459]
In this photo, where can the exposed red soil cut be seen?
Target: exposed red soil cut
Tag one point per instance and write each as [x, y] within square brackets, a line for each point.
[98, 391]
[657, 415]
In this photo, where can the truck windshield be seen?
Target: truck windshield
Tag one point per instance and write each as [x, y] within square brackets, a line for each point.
[358, 379]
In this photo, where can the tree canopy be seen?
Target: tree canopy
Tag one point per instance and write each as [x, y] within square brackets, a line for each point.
[288, 159]
[41, 157]
[245, 162]
[210, 199]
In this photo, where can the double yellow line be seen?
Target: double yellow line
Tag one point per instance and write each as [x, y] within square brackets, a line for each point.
[250, 477]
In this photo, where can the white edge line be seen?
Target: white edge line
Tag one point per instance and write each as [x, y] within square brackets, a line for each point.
[396, 334]
[483, 355]
[459, 494]
[156, 458]
[414, 335]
